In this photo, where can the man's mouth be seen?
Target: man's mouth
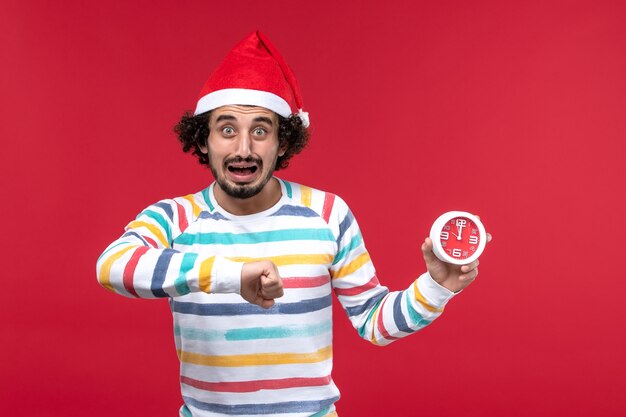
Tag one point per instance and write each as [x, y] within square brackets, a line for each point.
[238, 169]
[243, 170]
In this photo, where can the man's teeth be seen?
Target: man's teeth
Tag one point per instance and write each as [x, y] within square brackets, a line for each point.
[242, 169]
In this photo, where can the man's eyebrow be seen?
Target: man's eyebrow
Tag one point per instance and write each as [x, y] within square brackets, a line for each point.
[264, 119]
[225, 117]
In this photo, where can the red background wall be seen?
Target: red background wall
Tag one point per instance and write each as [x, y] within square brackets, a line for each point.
[512, 110]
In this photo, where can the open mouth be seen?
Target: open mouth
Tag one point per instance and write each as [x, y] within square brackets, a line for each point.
[242, 170]
[238, 169]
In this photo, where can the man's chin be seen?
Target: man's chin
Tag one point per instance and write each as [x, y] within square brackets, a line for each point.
[241, 191]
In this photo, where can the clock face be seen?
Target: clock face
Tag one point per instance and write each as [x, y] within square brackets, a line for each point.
[460, 238]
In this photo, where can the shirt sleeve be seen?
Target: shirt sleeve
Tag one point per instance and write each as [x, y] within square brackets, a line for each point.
[142, 263]
[379, 316]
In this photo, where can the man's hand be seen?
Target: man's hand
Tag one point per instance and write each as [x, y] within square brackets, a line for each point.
[260, 283]
[453, 277]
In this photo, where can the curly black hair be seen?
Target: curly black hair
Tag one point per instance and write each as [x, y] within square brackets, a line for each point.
[193, 132]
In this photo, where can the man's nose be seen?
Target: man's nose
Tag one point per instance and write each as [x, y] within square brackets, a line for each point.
[244, 145]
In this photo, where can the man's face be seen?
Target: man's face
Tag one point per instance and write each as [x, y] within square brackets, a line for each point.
[243, 148]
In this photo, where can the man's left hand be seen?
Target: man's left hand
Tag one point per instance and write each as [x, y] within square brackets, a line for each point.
[453, 277]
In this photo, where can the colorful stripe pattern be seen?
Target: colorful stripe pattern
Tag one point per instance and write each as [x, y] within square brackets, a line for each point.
[239, 359]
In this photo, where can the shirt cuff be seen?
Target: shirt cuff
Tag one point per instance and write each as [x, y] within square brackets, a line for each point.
[226, 276]
[435, 294]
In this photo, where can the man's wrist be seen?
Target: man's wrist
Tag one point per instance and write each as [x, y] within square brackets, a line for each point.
[436, 294]
[226, 276]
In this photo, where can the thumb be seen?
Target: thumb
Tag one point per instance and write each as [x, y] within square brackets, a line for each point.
[269, 277]
[266, 279]
[427, 249]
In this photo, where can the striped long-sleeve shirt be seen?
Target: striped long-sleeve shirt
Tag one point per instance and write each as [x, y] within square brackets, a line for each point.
[237, 358]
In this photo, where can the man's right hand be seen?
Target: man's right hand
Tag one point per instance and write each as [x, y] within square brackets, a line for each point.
[260, 283]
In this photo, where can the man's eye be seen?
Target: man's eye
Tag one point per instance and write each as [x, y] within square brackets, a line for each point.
[228, 131]
[259, 131]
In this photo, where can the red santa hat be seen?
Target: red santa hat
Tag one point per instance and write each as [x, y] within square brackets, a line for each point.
[253, 73]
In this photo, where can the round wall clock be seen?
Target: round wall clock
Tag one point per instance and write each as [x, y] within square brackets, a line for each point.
[458, 237]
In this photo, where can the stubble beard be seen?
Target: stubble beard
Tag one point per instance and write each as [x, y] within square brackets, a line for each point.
[241, 190]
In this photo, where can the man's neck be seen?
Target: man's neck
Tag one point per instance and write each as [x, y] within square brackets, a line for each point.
[269, 195]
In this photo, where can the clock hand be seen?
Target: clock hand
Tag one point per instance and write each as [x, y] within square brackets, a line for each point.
[460, 229]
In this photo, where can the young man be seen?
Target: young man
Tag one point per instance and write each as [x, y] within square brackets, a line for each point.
[249, 263]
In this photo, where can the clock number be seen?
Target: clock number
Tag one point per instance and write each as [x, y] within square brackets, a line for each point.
[473, 240]
[456, 253]
[461, 222]
[445, 235]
